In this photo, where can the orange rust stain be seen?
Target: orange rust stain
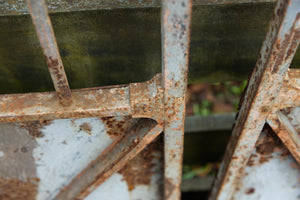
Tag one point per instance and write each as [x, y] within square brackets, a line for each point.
[265, 109]
[117, 127]
[267, 145]
[138, 171]
[250, 191]
[295, 165]
[169, 188]
[86, 127]
[34, 128]
[16, 189]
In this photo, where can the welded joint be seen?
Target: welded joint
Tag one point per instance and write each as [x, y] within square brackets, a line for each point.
[289, 94]
[285, 130]
[146, 99]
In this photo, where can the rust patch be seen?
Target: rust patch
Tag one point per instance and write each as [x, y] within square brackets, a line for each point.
[16, 189]
[250, 191]
[295, 165]
[265, 109]
[268, 144]
[286, 111]
[265, 146]
[86, 127]
[116, 126]
[265, 158]
[251, 160]
[169, 187]
[52, 63]
[139, 170]
[60, 80]
[34, 128]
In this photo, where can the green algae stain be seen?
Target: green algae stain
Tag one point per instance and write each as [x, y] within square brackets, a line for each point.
[109, 47]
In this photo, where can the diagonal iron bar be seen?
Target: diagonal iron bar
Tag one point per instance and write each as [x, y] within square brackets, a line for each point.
[112, 159]
[286, 132]
[267, 78]
[41, 20]
[176, 19]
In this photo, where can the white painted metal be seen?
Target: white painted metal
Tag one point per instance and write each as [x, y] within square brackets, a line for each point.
[65, 150]
[276, 178]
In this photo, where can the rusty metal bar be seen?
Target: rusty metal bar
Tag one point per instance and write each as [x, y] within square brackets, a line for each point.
[286, 132]
[176, 17]
[288, 98]
[12, 7]
[112, 160]
[91, 102]
[41, 20]
[267, 78]
[289, 95]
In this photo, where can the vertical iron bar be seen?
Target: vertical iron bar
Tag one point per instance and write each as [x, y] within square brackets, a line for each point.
[41, 20]
[266, 80]
[176, 17]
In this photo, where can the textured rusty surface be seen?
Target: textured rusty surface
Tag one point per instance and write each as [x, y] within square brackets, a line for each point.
[265, 147]
[281, 118]
[176, 17]
[43, 26]
[16, 189]
[285, 126]
[139, 170]
[18, 177]
[13, 7]
[146, 99]
[112, 159]
[267, 78]
[270, 173]
[117, 126]
[34, 127]
[92, 102]
[289, 95]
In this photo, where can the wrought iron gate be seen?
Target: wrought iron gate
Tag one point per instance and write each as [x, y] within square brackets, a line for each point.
[64, 145]
[83, 144]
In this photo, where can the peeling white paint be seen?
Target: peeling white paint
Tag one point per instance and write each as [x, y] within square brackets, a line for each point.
[1, 154]
[115, 188]
[65, 150]
[275, 179]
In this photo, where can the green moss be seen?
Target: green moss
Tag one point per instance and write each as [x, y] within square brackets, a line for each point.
[108, 47]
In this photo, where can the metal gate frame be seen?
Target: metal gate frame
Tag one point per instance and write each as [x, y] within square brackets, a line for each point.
[271, 89]
[159, 103]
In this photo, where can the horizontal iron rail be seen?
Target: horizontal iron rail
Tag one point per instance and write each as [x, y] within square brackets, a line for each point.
[136, 99]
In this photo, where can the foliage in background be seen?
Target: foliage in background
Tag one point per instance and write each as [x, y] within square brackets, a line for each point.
[206, 99]
[222, 97]
[190, 172]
